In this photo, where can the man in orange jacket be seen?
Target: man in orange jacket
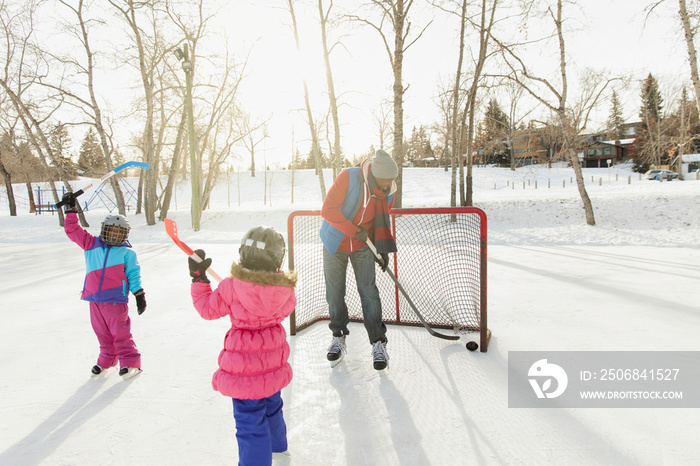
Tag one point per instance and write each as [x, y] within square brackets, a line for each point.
[356, 208]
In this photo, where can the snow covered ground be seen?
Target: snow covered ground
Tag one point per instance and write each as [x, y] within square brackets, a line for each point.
[554, 283]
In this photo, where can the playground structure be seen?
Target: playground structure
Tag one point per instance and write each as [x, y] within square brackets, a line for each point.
[102, 196]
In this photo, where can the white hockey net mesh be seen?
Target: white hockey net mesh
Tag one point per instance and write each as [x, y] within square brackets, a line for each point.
[441, 264]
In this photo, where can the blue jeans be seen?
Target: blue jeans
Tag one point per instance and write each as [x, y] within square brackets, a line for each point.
[334, 270]
[260, 429]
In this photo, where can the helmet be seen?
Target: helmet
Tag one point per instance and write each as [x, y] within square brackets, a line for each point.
[262, 248]
[115, 230]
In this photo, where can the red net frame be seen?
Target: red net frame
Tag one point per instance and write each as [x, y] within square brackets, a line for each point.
[441, 263]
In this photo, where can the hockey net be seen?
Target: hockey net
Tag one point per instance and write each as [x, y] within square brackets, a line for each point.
[441, 264]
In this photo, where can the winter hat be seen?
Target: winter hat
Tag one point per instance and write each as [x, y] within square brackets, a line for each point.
[383, 166]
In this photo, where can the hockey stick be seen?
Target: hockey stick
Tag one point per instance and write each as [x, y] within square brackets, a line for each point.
[410, 302]
[171, 228]
[121, 167]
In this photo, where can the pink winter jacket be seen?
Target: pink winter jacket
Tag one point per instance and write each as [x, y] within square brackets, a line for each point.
[253, 363]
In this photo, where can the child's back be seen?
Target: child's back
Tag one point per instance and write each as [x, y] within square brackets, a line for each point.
[253, 366]
[253, 363]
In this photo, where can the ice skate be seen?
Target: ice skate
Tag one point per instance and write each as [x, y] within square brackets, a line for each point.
[129, 372]
[379, 355]
[337, 350]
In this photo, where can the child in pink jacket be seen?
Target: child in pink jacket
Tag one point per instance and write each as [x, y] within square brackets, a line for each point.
[253, 365]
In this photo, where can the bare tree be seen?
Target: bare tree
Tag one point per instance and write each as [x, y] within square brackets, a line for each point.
[315, 144]
[382, 121]
[572, 118]
[482, 21]
[149, 57]
[689, 20]
[25, 63]
[88, 104]
[7, 154]
[444, 128]
[174, 164]
[484, 26]
[394, 28]
[337, 153]
[253, 133]
[454, 143]
[516, 118]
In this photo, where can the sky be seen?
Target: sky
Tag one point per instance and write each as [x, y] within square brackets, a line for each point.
[612, 36]
[607, 36]
[554, 284]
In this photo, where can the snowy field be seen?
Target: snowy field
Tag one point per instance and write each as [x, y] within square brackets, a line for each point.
[630, 283]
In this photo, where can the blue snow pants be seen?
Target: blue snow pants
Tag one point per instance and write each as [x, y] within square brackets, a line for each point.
[260, 429]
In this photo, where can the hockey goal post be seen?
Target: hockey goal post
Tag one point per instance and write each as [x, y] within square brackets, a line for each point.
[441, 263]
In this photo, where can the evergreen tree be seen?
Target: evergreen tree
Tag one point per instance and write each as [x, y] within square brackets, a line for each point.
[684, 125]
[419, 147]
[91, 161]
[60, 142]
[649, 135]
[615, 120]
[493, 136]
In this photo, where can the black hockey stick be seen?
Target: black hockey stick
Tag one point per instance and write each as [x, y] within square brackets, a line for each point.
[410, 302]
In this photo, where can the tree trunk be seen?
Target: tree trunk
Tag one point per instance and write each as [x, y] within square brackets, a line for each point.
[456, 149]
[97, 113]
[337, 156]
[692, 55]
[315, 147]
[174, 164]
[30, 194]
[484, 36]
[151, 177]
[580, 184]
[399, 19]
[7, 178]
[568, 146]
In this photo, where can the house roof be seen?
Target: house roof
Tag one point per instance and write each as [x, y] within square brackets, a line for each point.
[690, 157]
[620, 142]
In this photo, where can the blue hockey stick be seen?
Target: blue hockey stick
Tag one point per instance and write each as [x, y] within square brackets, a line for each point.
[121, 167]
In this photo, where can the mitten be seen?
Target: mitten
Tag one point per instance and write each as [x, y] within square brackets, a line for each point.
[140, 296]
[198, 270]
[361, 235]
[383, 262]
[69, 202]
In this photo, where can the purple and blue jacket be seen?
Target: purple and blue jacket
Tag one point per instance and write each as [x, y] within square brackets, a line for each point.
[111, 271]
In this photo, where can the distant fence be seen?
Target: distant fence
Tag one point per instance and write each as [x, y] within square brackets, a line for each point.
[43, 201]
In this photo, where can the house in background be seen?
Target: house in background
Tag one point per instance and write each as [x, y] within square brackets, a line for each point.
[600, 151]
[528, 147]
[538, 145]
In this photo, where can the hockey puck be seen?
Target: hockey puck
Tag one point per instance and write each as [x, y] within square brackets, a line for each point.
[472, 346]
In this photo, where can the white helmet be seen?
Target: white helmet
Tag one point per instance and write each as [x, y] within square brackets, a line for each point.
[115, 230]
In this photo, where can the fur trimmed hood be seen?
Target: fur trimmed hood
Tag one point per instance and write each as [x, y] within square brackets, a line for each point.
[259, 277]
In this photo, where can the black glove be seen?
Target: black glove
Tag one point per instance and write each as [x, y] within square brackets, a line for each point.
[198, 270]
[140, 296]
[69, 202]
[361, 235]
[383, 262]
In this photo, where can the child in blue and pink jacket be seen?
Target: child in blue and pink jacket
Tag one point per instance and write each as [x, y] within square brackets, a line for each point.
[112, 272]
[253, 366]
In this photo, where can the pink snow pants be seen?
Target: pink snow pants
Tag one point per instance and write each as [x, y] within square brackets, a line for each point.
[112, 325]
